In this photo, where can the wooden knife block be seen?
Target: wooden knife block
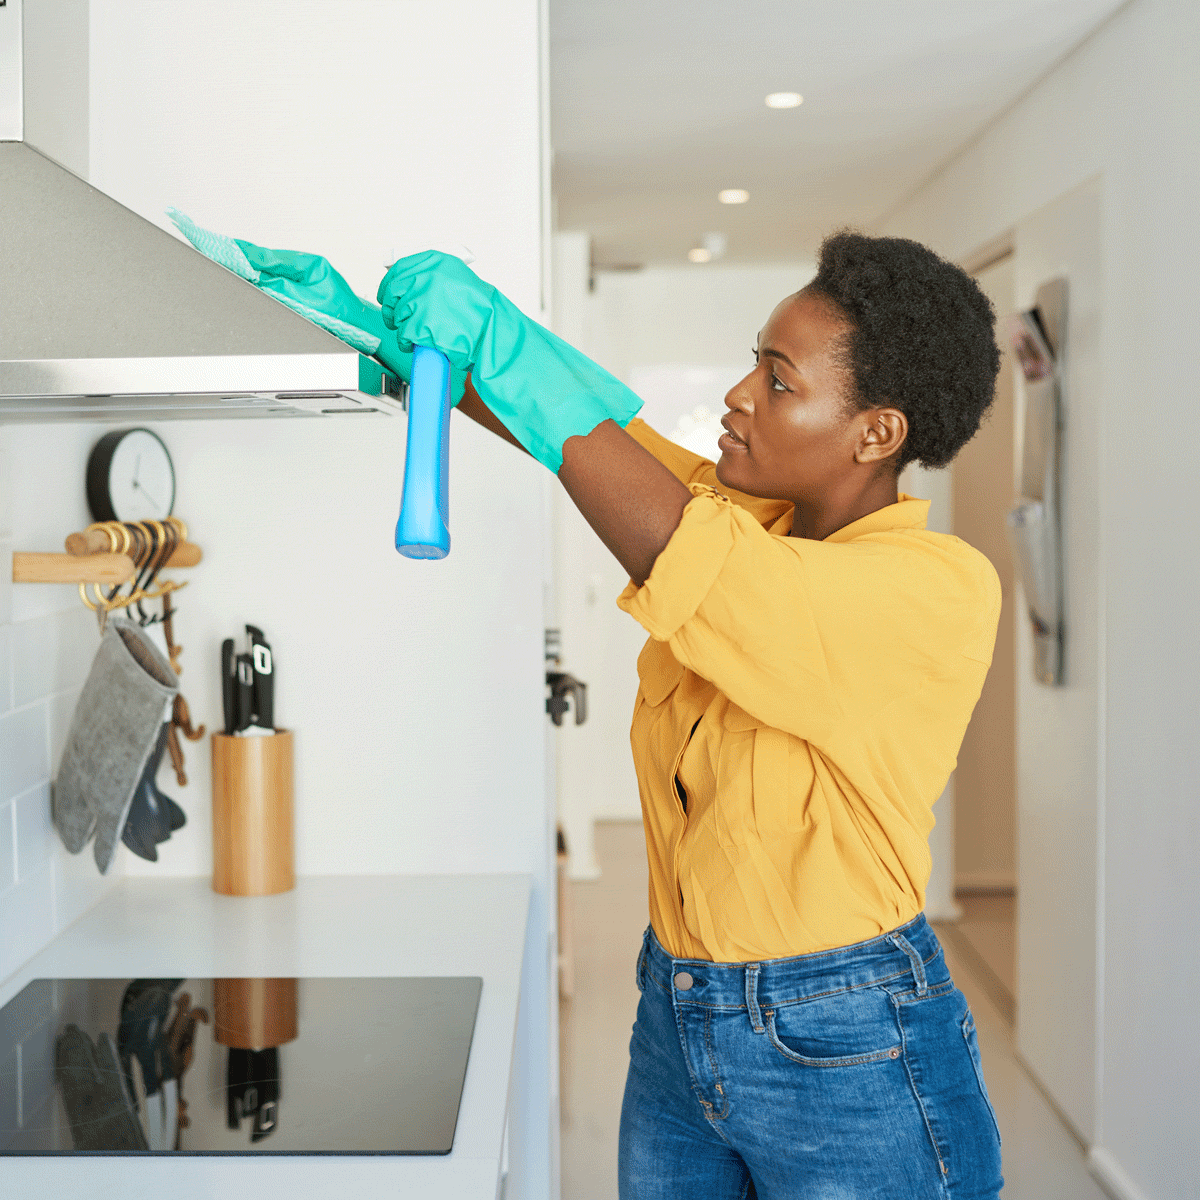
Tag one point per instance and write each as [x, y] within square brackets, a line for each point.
[254, 1014]
[253, 852]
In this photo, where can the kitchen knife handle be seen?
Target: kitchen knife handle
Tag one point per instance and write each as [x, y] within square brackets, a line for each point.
[228, 685]
[423, 530]
[264, 685]
[245, 691]
[264, 678]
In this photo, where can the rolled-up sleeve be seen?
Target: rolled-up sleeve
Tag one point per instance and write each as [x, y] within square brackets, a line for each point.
[803, 635]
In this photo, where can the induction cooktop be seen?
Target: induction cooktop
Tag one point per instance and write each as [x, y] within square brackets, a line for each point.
[235, 1066]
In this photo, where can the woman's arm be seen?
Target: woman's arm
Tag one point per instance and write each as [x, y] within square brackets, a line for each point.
[626, 495]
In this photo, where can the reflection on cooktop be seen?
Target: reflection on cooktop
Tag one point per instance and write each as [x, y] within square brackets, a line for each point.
[235, 1066]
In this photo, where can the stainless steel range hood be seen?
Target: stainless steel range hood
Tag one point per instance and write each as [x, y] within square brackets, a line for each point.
[105, 316]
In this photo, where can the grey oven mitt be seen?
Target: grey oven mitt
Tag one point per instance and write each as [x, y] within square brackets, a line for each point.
[114, 729]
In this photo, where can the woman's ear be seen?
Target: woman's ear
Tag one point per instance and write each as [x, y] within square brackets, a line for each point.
[884, 431]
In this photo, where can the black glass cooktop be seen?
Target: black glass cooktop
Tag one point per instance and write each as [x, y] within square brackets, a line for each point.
[235, 1066]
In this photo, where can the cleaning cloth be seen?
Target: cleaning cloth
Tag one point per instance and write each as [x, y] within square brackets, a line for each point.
[543, 389]
[116, 725]
[309, 286]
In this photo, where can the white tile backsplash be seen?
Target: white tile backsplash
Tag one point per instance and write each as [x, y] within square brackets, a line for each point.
[61, 710]
[77, 882]
[8, 849]
[52, 654]
[24, 750]
[35, 831]
[26, 919]
[5, 669]
[6, 583]
[6, 474]
[47, 643]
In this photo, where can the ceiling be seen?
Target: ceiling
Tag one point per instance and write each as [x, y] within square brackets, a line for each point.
[656, 105]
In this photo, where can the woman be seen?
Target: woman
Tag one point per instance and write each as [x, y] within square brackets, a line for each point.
[813, 661]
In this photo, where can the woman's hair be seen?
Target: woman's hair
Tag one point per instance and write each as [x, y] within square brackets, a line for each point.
[921, 340]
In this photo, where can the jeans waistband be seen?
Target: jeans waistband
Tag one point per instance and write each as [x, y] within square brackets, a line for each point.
[912, 950]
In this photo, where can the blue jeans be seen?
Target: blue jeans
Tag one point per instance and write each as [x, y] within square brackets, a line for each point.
[851, 1074]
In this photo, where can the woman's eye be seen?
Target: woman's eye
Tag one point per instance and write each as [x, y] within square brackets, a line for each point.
[777, 384]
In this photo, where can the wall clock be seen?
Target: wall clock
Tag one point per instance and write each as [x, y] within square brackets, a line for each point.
[130, 477]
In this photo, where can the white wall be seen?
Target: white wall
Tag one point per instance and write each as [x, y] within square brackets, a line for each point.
[1123, 109]
[705, 315]
[415, 688]
[1057, 729]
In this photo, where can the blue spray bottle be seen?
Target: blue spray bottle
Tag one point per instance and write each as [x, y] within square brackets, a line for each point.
[423, 530]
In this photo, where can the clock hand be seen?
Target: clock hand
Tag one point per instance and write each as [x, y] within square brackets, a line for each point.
[152, 499]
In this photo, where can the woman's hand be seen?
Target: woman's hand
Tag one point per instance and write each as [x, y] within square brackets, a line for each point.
[541, 389]
[435, 299]
[545, 395]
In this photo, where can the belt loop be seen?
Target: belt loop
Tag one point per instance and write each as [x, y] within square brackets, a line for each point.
[918, 967]
[752, 998]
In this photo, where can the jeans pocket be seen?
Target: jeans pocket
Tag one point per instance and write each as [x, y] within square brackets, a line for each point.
[846, 1029]
[640, 973]
[972, 1039]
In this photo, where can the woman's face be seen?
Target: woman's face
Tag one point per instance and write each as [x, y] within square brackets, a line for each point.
[794, 436]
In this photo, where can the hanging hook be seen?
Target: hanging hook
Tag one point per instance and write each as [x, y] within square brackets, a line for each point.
[100, 608]
[167, 541]
[146, 530]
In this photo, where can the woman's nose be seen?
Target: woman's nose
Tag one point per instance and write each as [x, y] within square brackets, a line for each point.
[739, 396]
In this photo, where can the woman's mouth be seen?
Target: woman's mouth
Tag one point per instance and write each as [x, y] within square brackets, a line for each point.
[729, 441]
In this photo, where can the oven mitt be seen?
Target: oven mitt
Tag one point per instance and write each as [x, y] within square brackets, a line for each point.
[308, 285]
[99, 1107]
[541, 388]
[115, 727]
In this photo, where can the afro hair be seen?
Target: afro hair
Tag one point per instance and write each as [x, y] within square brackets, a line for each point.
[922, 339]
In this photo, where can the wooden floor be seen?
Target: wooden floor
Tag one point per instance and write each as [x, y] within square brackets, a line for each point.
[1042, 1161]
[985, 939]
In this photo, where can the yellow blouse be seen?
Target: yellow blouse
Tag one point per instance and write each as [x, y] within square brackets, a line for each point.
[811, 697]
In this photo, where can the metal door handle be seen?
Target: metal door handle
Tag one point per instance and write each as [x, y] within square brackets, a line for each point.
[561, 685]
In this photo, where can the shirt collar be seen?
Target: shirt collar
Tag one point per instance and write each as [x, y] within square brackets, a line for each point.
[907, 513]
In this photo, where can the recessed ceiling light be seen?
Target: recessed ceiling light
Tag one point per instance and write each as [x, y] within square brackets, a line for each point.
[784, 100]
[698, 254]
[733, 196]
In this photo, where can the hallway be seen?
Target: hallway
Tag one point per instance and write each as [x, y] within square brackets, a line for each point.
[1042, 1161]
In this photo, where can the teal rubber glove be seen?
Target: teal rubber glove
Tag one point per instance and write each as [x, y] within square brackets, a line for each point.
[544, 390]
[311, 280]
[309, 285]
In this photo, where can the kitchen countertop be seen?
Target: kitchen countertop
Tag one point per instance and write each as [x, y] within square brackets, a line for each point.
[328, 925]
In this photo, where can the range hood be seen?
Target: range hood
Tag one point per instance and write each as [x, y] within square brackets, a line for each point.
[104, 316]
